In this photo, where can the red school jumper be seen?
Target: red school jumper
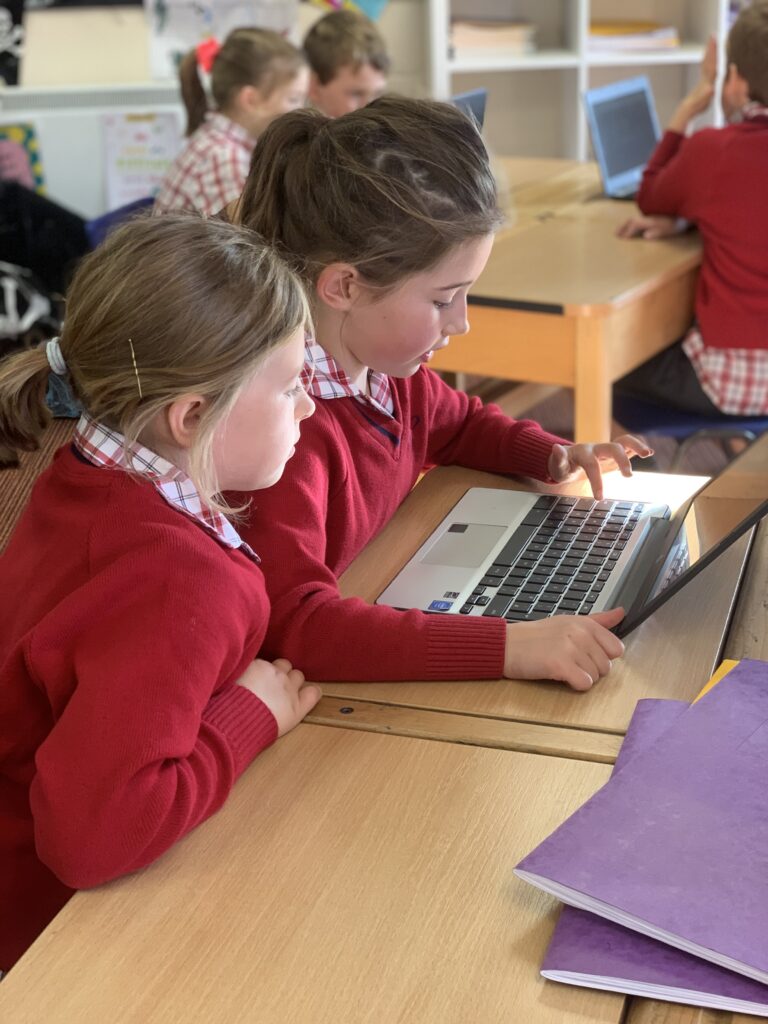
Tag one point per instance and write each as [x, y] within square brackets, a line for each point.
[352, 468]
[123, 625]
[717, 178]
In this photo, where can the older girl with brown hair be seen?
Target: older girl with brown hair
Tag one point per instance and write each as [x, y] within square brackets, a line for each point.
[389, 214]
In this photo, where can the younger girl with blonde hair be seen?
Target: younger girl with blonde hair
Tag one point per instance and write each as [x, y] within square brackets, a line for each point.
[389, 214]
[255, 76]
[131, 611]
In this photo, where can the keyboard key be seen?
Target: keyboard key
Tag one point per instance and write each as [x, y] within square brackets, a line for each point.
[497, 607]
[496, 571]
[544, 606]
[568, 605]
[548, 501]
[576, 587]
[535, 517]
[478, 590]
[585, 503]
[566, 499]
[514, 545]
[465, 609]
[507, 591]
[520, 607]
[490, 581]
[482, 601]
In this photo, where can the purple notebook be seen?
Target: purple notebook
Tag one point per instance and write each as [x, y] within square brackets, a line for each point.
[677, 848]
[589, 951]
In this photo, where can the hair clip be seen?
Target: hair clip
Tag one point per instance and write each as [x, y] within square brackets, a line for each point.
[206, 53]
[135, 367]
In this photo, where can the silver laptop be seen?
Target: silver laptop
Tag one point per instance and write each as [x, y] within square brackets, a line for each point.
[521, 556]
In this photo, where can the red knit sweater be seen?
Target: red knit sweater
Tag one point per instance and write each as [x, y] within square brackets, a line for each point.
[352, 468]
[717, 178]
[123, 625]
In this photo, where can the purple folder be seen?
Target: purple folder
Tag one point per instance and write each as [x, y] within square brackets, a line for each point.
[677, 848]
[589, 951]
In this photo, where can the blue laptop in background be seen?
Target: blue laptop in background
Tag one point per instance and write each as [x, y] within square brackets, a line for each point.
[473, 104]
[624, 129]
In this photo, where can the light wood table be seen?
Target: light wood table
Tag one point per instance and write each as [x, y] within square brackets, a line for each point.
[671, 655]
[563, 301]
[350, 879]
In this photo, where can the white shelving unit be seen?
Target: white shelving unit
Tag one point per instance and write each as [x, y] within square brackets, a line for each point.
[534, 100]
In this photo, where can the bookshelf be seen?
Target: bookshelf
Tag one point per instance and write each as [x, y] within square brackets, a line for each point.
[534, 99]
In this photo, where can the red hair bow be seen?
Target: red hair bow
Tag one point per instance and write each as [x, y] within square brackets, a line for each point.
[206, 54]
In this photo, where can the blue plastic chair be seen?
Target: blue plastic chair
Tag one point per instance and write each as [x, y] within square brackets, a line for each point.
[686, 428]
[98, 228]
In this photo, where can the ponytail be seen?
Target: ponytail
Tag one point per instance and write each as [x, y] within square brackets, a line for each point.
[248, 56]
[23, 412]
[192, 92]
[390, 188]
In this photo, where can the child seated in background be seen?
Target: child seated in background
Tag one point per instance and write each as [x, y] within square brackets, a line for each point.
[131, 611]
[348, 62]
[389, 214]
[716, 178]
[254, 77]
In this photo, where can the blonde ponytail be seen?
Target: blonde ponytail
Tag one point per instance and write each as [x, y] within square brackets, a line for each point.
[23, 412]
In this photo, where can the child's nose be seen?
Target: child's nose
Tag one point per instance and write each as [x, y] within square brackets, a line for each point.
[305, 407]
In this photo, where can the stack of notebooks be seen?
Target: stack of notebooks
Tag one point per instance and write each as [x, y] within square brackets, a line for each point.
[622, 36]
[665, 869]
[513, 38]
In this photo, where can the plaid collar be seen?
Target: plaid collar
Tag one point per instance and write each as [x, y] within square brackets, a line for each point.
[753, 109]
[104, 447]
[323, 377]
[216, 121]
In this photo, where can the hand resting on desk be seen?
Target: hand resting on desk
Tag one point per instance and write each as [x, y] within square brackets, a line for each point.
[573, 649]
[281, 687]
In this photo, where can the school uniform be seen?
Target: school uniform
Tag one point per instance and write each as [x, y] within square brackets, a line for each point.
[716, 178]
[128, 612]
[358, 457]
[210, 171]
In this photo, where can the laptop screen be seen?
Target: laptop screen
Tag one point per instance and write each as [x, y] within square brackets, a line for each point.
[624, 129]
[472, 104]
[703, 527]
[627, 130]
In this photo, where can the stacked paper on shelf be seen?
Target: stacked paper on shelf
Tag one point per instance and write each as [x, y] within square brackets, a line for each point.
[610, 36]
[515, 37]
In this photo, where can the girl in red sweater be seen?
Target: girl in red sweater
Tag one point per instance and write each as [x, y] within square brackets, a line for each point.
[131, 610]
[389, 214]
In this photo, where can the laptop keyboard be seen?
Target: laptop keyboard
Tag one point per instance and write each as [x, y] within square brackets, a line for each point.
[557, 560]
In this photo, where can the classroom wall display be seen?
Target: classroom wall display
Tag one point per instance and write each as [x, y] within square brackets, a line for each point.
[175, 26]
[24, 136]
[138, 150]
[371, 8]
[11, 39]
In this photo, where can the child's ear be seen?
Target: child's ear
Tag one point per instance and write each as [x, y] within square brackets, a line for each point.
[735, 91]
[182, 419]
[338, 286]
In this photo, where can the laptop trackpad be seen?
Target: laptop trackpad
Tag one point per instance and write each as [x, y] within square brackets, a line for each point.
[464, 544]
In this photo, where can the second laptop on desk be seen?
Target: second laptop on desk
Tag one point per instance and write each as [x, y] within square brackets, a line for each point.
[521, 556]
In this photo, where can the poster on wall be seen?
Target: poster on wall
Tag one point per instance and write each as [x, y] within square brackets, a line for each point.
[138, 150]
[176, 26]
[11, 39]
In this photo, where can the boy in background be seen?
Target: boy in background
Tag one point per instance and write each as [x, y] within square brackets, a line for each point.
[348, 62]
[716, 178]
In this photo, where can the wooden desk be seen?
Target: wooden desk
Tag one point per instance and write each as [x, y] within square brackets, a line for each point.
[350, 879]
[671, 655]
[563, 301]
